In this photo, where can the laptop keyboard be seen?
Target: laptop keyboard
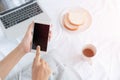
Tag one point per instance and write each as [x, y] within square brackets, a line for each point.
[20, 15]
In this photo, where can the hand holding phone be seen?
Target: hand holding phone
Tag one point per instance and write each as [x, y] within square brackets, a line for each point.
[40, 36]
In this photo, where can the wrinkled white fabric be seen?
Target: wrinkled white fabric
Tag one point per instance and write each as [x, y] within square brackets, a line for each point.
[104, 33]
[59, 71]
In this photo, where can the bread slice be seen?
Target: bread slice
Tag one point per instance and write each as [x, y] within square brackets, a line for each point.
[68, 25]
[76, 17]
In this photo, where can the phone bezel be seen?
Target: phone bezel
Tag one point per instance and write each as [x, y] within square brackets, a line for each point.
[34, 50]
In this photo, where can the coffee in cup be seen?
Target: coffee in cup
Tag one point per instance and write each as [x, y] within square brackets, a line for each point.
[89, 51]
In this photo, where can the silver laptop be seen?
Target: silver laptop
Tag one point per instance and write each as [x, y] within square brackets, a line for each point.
[16, 15]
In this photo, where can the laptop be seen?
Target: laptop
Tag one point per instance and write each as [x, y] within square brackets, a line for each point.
[16, 15]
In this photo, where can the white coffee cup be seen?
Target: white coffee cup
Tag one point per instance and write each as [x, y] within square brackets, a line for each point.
[88, 52]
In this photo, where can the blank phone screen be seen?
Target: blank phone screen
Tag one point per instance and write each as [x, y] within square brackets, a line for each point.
[40, 36]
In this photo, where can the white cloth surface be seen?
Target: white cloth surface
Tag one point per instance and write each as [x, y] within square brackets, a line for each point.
[103, 33]
[62, 72]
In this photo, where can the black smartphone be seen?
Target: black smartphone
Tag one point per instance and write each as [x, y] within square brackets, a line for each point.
[40, 36]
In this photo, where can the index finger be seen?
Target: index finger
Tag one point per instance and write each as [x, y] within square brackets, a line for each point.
[37, 57]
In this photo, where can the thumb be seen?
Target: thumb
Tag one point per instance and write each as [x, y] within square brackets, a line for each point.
[30, 28]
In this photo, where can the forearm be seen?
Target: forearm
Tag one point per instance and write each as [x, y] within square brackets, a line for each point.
[10, 61]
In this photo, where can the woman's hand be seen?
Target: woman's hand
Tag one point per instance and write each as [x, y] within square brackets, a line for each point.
[40, 69]
[16, 54]
[25, 44]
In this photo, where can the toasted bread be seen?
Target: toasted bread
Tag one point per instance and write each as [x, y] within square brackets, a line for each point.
[68, 25]
[75, 18]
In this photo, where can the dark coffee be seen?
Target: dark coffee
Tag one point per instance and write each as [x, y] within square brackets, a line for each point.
[88, 52]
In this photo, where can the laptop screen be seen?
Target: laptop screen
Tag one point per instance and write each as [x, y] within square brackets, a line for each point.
[7, 5]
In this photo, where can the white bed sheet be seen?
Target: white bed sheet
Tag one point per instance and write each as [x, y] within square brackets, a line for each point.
[104, 34]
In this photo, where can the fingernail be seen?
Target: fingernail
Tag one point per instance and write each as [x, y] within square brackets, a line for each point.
[38, 48]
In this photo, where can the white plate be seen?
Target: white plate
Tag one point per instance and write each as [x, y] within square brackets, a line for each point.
[81, 28]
